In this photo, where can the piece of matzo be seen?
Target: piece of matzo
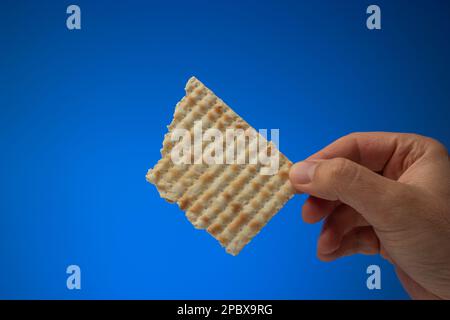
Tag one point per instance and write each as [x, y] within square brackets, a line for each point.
[232, 202]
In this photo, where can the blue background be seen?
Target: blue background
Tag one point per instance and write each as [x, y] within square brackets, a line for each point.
[83, 114]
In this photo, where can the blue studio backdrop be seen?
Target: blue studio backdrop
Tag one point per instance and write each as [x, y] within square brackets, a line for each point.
[83, 114]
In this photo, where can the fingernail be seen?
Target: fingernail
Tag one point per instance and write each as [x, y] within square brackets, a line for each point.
[302, 172]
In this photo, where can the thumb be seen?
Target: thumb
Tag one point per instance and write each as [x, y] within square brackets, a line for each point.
[372, 195]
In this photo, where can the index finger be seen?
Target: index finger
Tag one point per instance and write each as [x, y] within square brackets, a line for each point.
[374, 150]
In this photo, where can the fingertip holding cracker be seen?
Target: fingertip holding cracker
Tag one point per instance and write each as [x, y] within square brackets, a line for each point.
[233, 202]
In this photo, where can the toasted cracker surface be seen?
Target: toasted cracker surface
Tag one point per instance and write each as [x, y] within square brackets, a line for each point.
[233, 202]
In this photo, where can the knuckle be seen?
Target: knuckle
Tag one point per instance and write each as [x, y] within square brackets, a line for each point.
[341, 176]
[355, 134]
[437, 146]
[351, 136]
[429, 143]
[339, 169]
[413, 136]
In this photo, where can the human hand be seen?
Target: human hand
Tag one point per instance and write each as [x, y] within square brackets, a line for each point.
[386, 193]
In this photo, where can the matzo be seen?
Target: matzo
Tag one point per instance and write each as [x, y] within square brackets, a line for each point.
[233, 202]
